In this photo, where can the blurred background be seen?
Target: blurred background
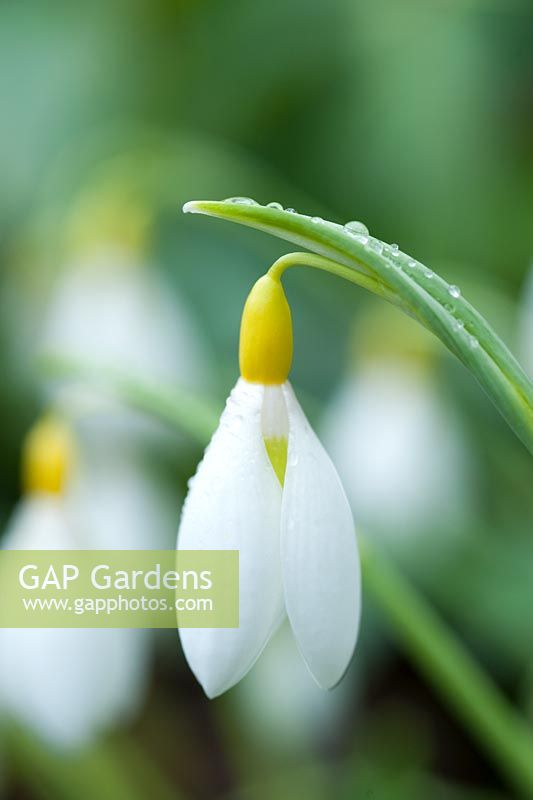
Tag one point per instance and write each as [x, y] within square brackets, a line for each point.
[416, 118]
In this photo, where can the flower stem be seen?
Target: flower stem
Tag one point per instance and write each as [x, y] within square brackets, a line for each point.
[455, 675]
[359, 277]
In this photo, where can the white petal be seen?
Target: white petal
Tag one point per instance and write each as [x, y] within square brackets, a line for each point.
[234, 502]
[320, 561]
[66, 684]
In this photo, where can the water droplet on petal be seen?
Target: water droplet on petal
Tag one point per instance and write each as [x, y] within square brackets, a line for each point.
[241, 201]
[356, 228]
[275, 205]
[293, 461]
[454, 291]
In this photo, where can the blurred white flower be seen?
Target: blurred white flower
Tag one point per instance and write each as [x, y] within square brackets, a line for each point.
[112, 310]
[282, 707]
[267, 488]
[399, 449]
[125, 501]
[68, 685]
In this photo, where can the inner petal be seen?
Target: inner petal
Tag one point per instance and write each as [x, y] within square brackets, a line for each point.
[275, 429]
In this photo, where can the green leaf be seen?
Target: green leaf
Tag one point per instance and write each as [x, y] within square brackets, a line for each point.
[413, 287]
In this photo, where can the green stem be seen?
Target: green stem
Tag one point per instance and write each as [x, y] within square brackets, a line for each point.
[452, 671]
[359, 277]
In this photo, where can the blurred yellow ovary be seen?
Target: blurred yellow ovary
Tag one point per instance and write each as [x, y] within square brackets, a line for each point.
[47, 455]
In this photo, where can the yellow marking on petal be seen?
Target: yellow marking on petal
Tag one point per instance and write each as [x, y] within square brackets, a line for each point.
[265, 350]
[277, 453]
[47, 456]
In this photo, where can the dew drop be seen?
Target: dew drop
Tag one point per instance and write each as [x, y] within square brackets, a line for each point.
[448, 307]
[275, 205]
[291, 210]
[473, 342]
[241, 201]
[293, 461]
[317, 220]
[458, 325]
[428, 274]
[356, 228]
[394, 250]
[376, 245]
[411, 263]
[454, 291]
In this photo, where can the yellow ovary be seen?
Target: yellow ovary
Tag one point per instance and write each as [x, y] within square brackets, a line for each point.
[265, 351]
[46, 456]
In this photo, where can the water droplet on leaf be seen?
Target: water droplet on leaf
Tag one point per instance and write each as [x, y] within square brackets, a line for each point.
[275, 205]
[356, 228]
[454, 291]
[241, 201]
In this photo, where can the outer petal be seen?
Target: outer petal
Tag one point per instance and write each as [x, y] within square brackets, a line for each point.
[234, 502]
[66, 684]
[320, 561]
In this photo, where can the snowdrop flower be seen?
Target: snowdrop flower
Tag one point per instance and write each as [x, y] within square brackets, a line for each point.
[110, 307]
[68, 685]
[267, 488]
[125, 502]
[399, 448]
[112, 310]
[282, 707]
